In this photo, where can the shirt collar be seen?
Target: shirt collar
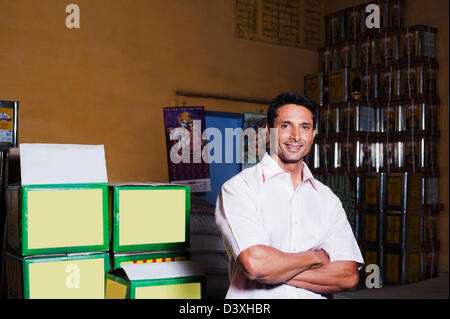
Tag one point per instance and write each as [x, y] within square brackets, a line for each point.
[271, 168]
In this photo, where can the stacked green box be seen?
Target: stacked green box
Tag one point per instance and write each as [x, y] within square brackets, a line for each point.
[57, 223]
[63, 276]
[149, 217]
[174, 280]
[150, 226]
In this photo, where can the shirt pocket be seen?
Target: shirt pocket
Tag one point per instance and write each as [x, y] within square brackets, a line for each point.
[314, 236]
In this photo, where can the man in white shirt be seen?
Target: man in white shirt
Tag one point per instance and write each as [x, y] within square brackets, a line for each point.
[286, 233]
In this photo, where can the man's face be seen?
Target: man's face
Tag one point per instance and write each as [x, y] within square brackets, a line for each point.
[296, 133]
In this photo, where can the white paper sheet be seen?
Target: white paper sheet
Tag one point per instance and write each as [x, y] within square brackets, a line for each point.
[171, 269]
[62, 164]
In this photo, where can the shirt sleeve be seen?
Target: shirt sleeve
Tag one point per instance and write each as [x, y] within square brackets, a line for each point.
[340, 242]
[238, 218]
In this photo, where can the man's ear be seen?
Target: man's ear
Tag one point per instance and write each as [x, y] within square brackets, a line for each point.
[268, 133]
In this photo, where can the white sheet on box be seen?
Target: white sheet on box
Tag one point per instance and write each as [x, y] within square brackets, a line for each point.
[62, 164]
[174, 269]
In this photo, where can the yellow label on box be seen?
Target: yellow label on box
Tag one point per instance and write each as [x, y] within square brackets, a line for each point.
[6, 125]
[370, 257]
[336, 86]
[371, 227]
[64, 218]
[6, 118]
[371, 191]
[393, 229]
[152, 216]
[414, 191]
[68, 279]
[178, 291]
[413, 267]
[413, 227]
[394, 190]
[392, 265]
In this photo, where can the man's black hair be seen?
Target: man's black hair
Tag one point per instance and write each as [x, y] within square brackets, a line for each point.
[290, 98]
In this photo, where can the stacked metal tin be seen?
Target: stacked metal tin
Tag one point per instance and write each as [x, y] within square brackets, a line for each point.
[376, 92]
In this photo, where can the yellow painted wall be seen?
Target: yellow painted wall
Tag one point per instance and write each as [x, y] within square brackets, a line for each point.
[107, 82]
[433, 13]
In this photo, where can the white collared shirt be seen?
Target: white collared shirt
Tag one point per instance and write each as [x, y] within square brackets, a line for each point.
[259, 206]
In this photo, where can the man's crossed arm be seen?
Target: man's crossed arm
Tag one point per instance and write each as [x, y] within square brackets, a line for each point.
[311, 270]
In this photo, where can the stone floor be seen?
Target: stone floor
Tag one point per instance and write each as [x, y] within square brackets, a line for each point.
[436, 288]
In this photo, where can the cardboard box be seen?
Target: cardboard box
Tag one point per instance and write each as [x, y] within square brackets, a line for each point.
[314, 87]
[432, 191]
[388, 47]
[373, 254]
[328, 119]
[430, 153]
[355, 21]
[328, 58]
[341, 84]
[394, 186]
[366, 156]
[389, 87]
[348, 55]
[414, 116]
[367, 48]
[61, 205]
[432, 112]
[404, 229]
[347, 154]
[371, 191]
[77, 276]
[418, 41]
[335, 27]
[391, 156]
[415, 195]
[347, 117]
[371, 227]
[367, 118]
[150, 216]
[403, 266]
[175, 280]
[396, 13]
[390, 118]
[412, 153]
[369, 86]
[327, 155]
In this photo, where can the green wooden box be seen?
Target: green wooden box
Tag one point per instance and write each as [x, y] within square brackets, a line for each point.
[58, 203]
[75, 276]
[174, 280]
[57, 219]
[150, 217]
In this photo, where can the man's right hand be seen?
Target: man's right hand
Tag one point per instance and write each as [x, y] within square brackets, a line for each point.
[322, 258]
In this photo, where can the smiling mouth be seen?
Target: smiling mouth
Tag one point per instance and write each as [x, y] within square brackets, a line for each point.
[293, 148]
